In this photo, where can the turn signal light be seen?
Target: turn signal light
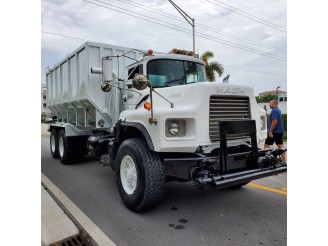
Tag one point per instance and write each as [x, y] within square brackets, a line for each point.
[147, 105]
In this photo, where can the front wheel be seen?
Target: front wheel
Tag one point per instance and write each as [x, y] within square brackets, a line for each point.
[139, 175]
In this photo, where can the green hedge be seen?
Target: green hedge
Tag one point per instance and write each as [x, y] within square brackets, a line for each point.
[284, 119]
[43, 117]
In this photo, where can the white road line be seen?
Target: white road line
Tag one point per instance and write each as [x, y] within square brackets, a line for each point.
[98, 235]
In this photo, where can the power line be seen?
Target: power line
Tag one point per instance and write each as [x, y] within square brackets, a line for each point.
[272, 25]
[250, 14]
[256, 71]
[246, 49]
[203, 35]
[258, 11]
[66, 36]
[147, 8]
[243, 39]
[179, 29]
[137, 16]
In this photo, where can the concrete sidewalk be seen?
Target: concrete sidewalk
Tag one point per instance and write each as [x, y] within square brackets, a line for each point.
[62, 222]
[55, 224]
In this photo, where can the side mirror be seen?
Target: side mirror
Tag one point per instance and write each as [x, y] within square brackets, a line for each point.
[107, 67]
[106, 73]
[106, 87]
[140, 82]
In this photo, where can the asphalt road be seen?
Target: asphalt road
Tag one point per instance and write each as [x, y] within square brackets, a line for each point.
[253, 215]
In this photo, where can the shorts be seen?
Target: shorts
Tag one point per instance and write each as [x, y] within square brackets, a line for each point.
[277, 138]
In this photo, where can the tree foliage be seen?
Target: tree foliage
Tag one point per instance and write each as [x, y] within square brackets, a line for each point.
[211, 67]
[265, 98]
[43, 117]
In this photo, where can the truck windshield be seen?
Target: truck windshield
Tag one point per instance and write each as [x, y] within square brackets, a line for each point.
[165, 72]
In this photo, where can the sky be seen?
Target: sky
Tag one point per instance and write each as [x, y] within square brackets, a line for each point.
[249, 38]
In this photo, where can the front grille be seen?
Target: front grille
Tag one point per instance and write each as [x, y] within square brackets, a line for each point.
[227, 108]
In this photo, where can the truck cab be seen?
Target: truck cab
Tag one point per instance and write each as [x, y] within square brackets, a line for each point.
[186, 107]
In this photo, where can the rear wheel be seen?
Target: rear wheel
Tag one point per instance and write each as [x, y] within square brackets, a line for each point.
[65, 150]
[139, 175]
[54, 143]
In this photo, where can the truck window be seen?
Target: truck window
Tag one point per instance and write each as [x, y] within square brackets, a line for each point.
[165, 72]
[139, 69]
[194, 72]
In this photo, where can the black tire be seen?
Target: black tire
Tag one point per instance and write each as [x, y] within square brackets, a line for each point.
[54, 144]
[150, 178]
[66, 152]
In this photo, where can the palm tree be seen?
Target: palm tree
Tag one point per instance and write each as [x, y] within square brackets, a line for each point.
[211, 67]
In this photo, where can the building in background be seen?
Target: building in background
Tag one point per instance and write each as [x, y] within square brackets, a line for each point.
[282, 100]
[44, 108]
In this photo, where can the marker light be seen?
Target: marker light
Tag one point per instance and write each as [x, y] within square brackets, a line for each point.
[149, 53]
[147, 105]
[182, 52]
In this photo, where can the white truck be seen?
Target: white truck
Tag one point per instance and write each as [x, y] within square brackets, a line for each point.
[153, 118]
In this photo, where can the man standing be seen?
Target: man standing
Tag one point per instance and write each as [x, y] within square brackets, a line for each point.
[275, 128]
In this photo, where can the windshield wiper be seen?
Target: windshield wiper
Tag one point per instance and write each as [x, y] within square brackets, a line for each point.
[167, 83]
[142, 100]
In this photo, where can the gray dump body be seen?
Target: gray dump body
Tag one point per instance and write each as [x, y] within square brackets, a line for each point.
[74, 93]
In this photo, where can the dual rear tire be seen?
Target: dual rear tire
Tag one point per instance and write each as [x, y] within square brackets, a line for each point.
[67, 150]
[64, 149]
[54, 143]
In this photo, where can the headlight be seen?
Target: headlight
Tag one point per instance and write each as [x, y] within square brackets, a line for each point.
[174, 128]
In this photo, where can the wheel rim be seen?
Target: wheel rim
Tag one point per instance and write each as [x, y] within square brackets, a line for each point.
[53, 143]
[61, 146]
[128, 174]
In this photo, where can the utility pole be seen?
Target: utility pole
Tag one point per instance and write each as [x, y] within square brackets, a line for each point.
[277, 92]
[190, 20]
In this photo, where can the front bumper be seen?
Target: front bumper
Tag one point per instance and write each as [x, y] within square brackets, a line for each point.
[232, 165]
[228, 180]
